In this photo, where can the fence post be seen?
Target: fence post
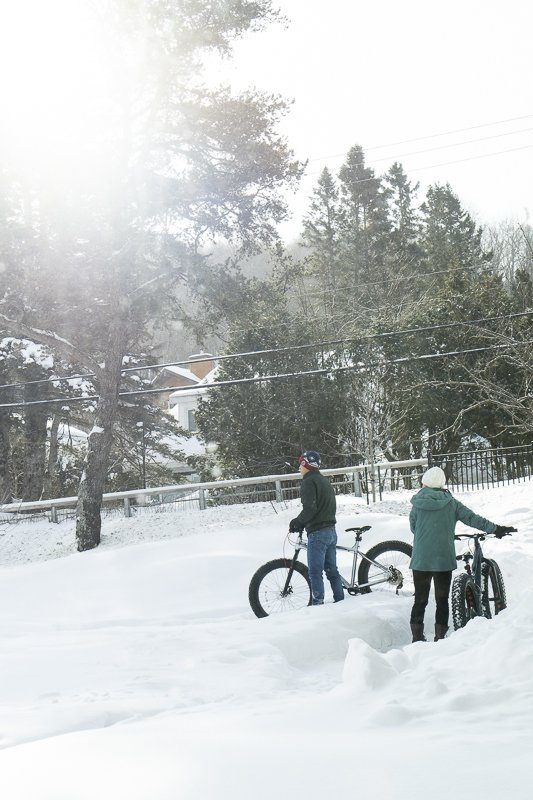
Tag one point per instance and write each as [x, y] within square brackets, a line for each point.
[53, 514]
[279, 493]
[127, 507]
[201, 499]
[357, 485]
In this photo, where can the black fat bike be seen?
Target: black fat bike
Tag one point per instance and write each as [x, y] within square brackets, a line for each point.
[479, 591]
[283, 584]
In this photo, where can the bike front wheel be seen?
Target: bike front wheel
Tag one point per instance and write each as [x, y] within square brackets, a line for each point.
[270, 593]
[465, 601]
[392, 567]
[493, 597]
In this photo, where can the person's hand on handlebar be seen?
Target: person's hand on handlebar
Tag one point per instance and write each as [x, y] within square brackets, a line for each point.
[503, 530]
[295, 526]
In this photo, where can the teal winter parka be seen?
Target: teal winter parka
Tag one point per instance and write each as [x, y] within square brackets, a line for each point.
[433, 517]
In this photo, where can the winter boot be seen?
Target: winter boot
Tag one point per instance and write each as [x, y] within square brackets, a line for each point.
[440, 632]
[417, 629]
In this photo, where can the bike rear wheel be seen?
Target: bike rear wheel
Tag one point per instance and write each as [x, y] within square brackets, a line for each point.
[395, 557]
[267, 593]
[465, 602]
[493, 595]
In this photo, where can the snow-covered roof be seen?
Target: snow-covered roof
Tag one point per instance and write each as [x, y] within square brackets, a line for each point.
[183, 373]
[201, 387]
[193, 391]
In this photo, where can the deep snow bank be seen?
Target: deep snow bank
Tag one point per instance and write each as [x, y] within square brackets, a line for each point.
[143, 660]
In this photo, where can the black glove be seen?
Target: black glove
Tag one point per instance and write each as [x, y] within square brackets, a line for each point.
[295, 526]
[502, 530]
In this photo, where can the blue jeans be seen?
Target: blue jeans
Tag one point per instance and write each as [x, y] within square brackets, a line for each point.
[322, 557]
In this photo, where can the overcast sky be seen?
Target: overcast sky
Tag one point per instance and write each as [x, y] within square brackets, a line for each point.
[382, 72]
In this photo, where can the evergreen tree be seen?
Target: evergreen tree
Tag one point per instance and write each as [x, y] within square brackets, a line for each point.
[177, 165]
[438, 395]
[365, 228]
[322, 238]
[521, 289]
[259, 426]
[406, 250]
[451, 238]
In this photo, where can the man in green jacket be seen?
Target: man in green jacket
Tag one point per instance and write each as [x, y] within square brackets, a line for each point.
[318, 518]
[432, 519]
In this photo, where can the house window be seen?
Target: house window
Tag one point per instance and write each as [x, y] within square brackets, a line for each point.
[191, 420]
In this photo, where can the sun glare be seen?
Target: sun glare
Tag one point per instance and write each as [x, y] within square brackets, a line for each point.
[54, 82]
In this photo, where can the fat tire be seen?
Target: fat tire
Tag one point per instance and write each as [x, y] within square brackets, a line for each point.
[492, 583]
[374, 553]
[465, 603]
[256, 595]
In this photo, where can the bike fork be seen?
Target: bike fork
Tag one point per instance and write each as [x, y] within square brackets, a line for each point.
[289, 574]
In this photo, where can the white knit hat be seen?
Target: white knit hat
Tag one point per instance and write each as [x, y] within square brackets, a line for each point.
[434, 478]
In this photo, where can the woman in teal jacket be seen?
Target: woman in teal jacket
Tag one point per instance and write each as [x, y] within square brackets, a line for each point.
[433, 518]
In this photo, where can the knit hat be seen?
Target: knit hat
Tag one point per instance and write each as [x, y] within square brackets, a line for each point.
[310, 459]
[434, 478]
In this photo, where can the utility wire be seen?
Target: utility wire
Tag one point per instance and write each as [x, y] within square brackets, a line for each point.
[441, 164]
[439, 147]
[272, 350]
[277, 376]
[82, 375]
[447, 146]
[430, 136]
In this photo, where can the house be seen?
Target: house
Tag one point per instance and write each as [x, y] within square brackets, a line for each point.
[199, 371]
[191, 381]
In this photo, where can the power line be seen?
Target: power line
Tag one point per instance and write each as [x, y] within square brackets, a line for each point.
[82, 375]
[474, 158]
[430, 136]
[441, 164]
[277, 376]
[270, 351]
[447, 146]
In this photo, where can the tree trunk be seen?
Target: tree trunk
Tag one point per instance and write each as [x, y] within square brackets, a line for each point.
[92, 483]
[6, 471]
[50, 478]
[34, 457]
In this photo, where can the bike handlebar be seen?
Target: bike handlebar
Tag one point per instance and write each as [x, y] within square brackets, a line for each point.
[481, 536]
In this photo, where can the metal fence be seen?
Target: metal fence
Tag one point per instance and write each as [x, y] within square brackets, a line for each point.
[487, 467]
[475, 469]
[363, 480]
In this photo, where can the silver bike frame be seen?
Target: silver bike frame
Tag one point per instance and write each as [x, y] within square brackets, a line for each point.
[301, 545]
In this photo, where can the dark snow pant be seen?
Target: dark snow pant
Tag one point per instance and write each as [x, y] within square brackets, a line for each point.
[441, 583]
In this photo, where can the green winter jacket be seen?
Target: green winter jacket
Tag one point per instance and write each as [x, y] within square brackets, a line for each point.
[319, 503]
[432, 519]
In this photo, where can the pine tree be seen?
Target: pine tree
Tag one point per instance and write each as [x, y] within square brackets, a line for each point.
[322, 238]
[405, 221]
[366, 227]
[451, 238]
[261, 425]
[179, 164]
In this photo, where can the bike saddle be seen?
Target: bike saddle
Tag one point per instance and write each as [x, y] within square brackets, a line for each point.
[359, 530]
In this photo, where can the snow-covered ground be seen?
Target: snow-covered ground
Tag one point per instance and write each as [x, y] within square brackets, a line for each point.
[138, 671]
